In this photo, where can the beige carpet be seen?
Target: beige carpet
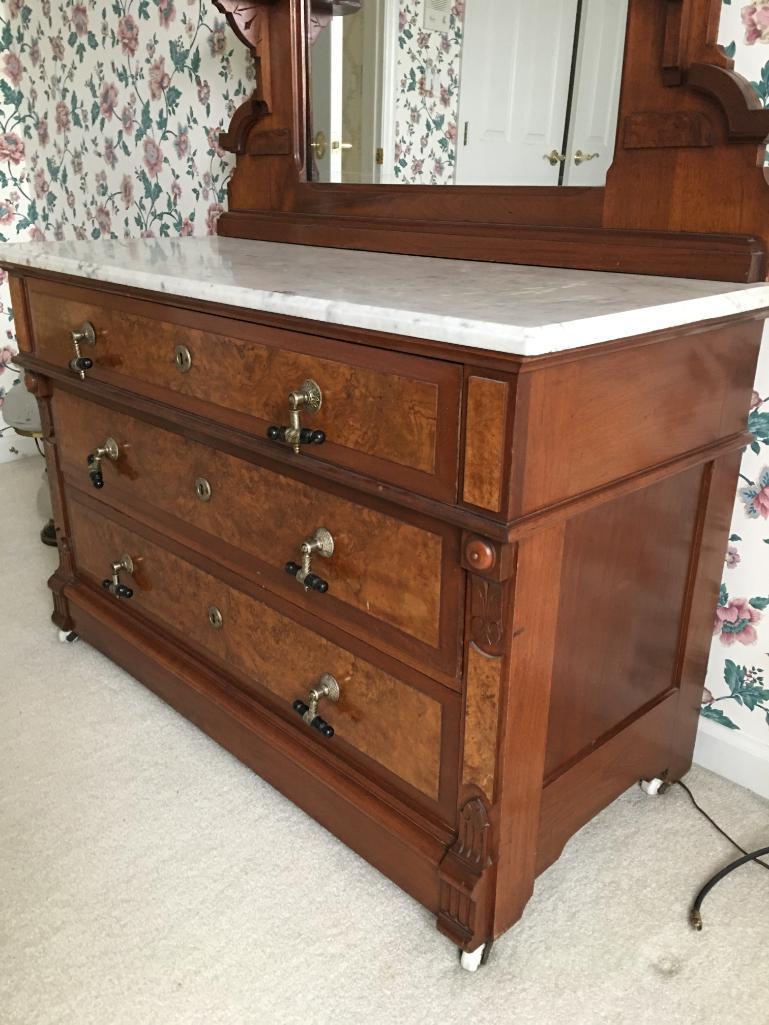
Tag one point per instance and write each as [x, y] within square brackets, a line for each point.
[147, 878]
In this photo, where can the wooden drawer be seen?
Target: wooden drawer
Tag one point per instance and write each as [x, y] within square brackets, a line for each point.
[390, 721]
[256, 519]
[391, 416]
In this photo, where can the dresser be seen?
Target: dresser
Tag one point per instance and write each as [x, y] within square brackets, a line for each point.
[432, 546]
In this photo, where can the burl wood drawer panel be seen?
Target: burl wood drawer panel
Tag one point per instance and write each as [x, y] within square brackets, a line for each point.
[402, 724]
[256, 518]
[388, 415]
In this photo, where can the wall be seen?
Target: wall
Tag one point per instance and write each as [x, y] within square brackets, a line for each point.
[109, 124]
[427, 104]
[734, 732]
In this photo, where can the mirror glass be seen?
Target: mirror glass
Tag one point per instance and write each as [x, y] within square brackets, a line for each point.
[464, 92]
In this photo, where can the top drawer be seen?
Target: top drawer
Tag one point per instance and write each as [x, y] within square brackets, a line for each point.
[388, 415]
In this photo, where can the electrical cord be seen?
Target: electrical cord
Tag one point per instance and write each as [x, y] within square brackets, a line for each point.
[695, 914]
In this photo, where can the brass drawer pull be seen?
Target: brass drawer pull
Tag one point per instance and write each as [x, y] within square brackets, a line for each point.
[108, 450]
[113, 584]
[183, 358]
[327, 687]
[203, 489]
[215, 617]
[84, 335]
[321, 543]
[309, 398]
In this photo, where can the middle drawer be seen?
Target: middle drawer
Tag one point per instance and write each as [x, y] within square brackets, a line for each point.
[394, 576]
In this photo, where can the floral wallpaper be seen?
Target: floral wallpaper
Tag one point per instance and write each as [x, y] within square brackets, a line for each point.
[109, 118]
[737, 686]
[427, 103]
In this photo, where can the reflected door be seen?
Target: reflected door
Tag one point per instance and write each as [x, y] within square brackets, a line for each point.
[597, 80]
[514, 91]
[327, 99]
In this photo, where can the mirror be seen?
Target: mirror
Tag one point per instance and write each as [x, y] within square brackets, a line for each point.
[464, 92]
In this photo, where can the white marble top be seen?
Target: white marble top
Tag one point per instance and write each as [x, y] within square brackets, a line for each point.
[527, 311]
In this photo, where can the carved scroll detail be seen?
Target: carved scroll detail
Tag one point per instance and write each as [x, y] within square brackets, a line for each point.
[465, 914]
[250, 20]
[487, 615]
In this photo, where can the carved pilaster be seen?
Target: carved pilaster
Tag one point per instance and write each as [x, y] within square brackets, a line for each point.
[465, 913]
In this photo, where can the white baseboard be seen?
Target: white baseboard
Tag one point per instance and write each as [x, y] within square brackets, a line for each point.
[734, 755]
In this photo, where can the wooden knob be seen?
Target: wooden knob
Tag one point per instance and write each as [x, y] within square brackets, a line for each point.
[480, 554]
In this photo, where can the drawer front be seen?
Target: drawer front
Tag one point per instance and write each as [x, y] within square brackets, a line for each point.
[388, 415]
[401, 724]
[395, 581]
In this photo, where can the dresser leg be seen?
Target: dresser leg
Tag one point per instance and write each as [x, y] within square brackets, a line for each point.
[472, 961]
[654, 787]
[68, 636]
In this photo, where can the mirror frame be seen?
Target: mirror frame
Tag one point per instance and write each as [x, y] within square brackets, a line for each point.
[686, 194]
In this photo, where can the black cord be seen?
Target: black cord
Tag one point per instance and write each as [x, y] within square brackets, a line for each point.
[39, 447]
[716, 826]
[694, 915]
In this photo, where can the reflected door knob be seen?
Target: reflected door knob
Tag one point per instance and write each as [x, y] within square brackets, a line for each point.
[580, 157]
[554, 157]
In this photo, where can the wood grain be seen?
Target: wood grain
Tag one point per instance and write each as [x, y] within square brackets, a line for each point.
[395, 725]
[485, 433]
[483, 686]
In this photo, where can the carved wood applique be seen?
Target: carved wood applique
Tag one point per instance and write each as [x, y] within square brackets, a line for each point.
[250, 20]
[486, 615]
[465, 911]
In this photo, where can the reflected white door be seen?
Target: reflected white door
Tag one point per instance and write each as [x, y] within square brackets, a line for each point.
[326, 57]
[514, 89]
[597, 80]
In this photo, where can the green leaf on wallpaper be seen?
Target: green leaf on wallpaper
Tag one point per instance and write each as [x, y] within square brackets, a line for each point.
[758, 425]
[735, 537]
[759, 603]
[72, 39]
[11, 97]
[412, 86]
[178, 55]
[144, 10]
[95, 233]
[173, 95]
[716, 715]
[93, 42]
[730, 50]
[94, 112]
[32, 213]
[723, 595]
[195, 61]
[734, 675]
[755, 448]
[3, 180]
[6, 38]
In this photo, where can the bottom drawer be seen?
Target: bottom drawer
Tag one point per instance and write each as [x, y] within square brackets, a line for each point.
[406, 725]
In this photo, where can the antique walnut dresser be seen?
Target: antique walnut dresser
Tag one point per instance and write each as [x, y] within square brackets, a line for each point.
[432, 544]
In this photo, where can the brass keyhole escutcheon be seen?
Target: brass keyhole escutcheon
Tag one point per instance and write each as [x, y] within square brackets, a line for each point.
[215, 617]
[203, 489]
[183, 358]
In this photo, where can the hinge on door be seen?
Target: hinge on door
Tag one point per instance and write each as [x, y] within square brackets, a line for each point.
[467, 132]
[380, 156]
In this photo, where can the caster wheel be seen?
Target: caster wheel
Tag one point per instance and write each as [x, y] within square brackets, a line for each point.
[67, 636]
[654, 787]
[472, 961]
[48, 535]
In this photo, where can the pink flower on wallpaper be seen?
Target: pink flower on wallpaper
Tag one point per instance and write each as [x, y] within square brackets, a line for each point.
[6, 356]
[733, 557]
[79, 19]
[215, 211]
[11, 148]
[204, 91]
[57, 48]
[108, 99]
[103, 219]
[182, 142]
[755, 400]
[167, 12]
[213, 141]
[14, 7]
[40, 183]
[127, 119]
[34, 53]
[7, 212]
[445, 97]
[153, 157]
[707, 697]
[13, 69]
[128, 34]
[42, 131]
[756, 496]
[110, 155]
[451, 131]
[734, 622]
[755, 18]
[176, 192]
[217, 41]
[187, 227]
[62, 117]
[159, 79]
[36, 234]
[127, 191]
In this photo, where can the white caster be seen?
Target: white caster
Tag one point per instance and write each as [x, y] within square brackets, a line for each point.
[654, 787]
[473, 961]
[67, 636]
